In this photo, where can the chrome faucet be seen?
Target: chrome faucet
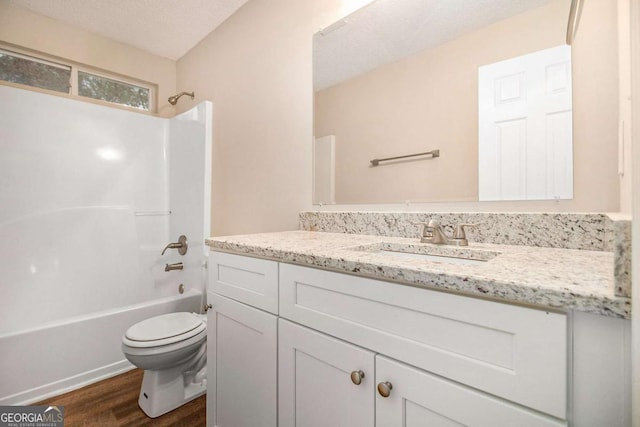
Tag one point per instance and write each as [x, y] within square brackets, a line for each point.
[432, 232]
[176, 266]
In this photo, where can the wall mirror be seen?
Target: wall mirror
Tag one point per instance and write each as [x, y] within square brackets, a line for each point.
[402, 77]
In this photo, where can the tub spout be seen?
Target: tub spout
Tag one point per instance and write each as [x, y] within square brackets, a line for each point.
[176, 266]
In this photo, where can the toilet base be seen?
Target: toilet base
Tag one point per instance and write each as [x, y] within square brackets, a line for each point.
[163, 391]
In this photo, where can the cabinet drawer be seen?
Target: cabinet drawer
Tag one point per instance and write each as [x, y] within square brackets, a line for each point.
[249, 280]
[517, 353]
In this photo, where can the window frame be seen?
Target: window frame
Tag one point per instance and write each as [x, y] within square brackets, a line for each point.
[50, 63]
[106, 75]
[76, 67]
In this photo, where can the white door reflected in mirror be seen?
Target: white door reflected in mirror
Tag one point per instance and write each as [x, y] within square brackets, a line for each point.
[525, 127]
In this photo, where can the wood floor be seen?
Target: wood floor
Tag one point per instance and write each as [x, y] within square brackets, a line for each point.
[114, 402]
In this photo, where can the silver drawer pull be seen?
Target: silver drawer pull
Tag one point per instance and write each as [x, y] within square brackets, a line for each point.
[356, 377]
[385, 388]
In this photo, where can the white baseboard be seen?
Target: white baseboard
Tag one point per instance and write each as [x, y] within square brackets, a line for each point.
[65, 385]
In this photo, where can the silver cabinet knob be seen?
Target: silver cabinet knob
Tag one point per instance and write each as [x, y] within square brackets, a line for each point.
[385, 388]
[356, 377]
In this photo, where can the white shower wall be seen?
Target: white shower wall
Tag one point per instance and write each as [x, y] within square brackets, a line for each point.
[89, 197]
[190, 188]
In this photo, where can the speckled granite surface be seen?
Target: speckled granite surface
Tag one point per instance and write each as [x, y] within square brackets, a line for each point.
[622, 257]
[555, 230]
[546, 277]
[586, 231]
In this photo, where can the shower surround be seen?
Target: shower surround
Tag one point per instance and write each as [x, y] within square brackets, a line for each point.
[90, 196]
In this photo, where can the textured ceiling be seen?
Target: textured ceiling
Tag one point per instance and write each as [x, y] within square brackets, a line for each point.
[168, 28]
[388, 30]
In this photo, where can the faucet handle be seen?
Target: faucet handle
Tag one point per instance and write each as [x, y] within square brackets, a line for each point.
[432, 232]
[181, 245]
[433, 223]
[425, 227]
[460, 234]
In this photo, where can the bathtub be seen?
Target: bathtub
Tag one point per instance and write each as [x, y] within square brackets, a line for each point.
[45, 361]
[93, 196]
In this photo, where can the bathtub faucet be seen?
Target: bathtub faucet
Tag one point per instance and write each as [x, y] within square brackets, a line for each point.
[176, 266]
[181, 245]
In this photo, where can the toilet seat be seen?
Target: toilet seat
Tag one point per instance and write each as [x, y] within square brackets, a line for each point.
[163, 330]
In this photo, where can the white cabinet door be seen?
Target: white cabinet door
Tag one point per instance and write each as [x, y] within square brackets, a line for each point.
[419, 399]
[241, 365]
[315, 380]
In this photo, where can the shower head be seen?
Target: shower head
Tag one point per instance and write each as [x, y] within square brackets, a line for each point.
[173, 100]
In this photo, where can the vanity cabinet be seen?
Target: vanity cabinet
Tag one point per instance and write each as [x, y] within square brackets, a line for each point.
[241, 342]
[325, 381]
[453, 354]
[290, 345]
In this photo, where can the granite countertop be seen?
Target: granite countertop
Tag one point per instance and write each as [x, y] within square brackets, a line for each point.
[572, 279]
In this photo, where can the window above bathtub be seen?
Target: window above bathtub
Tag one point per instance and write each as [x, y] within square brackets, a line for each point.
[52, 74]
[111, 90]
[30, 71]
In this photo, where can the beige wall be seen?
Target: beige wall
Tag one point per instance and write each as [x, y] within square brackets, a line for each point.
[23, 28]
[429, 101]
[256, 68]
[595, 156]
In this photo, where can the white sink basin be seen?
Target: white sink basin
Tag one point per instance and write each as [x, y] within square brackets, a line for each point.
[430, 253]
[434, 258]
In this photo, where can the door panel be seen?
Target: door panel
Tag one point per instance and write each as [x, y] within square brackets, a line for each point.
[418, 398]
[241, 365]
[525, 127]
[315, 386]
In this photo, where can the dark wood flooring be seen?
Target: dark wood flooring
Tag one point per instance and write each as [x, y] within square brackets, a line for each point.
[114, 402]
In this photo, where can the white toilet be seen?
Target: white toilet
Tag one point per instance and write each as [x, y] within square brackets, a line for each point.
[172, 350]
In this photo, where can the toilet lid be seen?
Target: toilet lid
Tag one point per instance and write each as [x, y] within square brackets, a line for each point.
[165, 326]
